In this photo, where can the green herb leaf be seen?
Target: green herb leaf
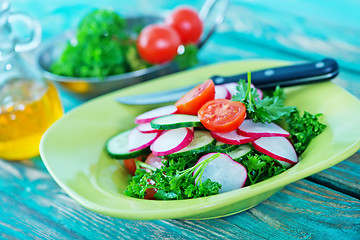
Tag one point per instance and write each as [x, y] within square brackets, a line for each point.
[188, 58]
[268, 109]
[103, 48]
[260, 167]
[175, 180]
[303, 129]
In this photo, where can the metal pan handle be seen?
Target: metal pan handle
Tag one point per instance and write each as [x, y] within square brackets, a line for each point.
[212, 13]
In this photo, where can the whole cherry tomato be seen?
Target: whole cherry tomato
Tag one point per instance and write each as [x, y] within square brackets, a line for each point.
[187, 23]
[158, 43]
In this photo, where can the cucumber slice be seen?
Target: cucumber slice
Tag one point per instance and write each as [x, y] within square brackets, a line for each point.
[223, 147]
[175, 121]
[118, 147]
[240, 152]
[202, 142]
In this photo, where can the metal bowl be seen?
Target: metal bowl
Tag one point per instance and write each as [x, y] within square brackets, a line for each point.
[86, 88]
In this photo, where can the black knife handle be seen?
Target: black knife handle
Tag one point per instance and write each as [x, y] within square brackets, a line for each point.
[296, 74]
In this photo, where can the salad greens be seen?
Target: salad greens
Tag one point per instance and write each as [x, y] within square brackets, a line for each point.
[260, 167]
[104, 46]
[303, 128]
[175, 180]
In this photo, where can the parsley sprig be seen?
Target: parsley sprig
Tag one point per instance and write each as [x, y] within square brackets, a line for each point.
[268, 109]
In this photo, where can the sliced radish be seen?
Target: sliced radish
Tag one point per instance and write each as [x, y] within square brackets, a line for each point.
[231, 87]
[139, 140]
[171, 141]
[224, 170]
[232, 138]
[155, 161]
[258, 90]
[285, 164]
[279, 148]
[155, 113]
[252, 129]
[260, 93]
[221, 92]
[146, 128]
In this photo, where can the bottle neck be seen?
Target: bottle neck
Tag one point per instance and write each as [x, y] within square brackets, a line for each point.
[7, 43]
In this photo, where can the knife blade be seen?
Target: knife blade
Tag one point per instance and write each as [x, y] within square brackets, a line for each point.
[264, 79]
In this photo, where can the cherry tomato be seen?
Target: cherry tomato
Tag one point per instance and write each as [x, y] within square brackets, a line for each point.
[222, 115]
[130, 164]
[187, 23]
[157, 163]
[192, 101]
[150, 192]
[158, 43]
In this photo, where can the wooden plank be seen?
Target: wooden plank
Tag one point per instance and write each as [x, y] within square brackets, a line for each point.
[343, 177]
[33, 206]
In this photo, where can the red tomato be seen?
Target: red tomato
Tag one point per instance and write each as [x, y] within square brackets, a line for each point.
[158, 43]
[150, 192]
[130, 164]
[157, 163]
[192, 101]
[187, 23]
[222, 115]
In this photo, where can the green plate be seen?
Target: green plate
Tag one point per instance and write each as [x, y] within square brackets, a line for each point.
[73, 148]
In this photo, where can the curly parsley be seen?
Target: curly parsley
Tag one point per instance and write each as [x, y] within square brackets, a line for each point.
[303, 128]
[260, 167]
[175, 180]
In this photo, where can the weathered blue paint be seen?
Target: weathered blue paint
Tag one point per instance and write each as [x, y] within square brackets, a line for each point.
[34, 207]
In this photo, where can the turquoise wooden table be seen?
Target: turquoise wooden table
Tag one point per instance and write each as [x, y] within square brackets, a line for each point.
[323, 206]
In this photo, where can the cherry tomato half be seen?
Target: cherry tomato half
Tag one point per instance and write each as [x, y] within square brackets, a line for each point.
[158, 43]
[222, 115]
[192, 101]
[187, 23]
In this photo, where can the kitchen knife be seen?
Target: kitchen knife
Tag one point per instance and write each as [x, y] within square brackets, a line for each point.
[265, 79]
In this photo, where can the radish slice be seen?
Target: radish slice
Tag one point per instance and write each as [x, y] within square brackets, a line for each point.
[231, 87]
[139, 140]
[258, 90]
[221, 92]
[279, 148]
[260, 93]
[146, 128]
[224, 170]
[252, 129]
[232, 138]
[171, 141]
[155, 113]
[154, 161]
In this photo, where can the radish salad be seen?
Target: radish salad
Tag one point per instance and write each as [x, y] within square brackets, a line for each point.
[213, 140]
